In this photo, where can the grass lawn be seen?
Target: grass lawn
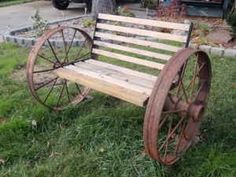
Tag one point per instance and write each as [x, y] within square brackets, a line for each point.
[4, 3]
[103, 137]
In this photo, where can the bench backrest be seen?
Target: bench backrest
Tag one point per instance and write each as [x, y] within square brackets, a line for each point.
[146, 42]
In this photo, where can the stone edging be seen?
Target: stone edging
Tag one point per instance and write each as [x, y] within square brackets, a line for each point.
[219, 51]
[29, 42]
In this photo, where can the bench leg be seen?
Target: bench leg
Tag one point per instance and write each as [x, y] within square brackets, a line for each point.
[56, 49]
[176, 106]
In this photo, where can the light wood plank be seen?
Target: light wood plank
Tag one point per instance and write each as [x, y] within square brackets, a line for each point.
[117, 74]
[103, 76]
[122, 69]
[141, 32]
[132, 50]
[104, 85]
[135, 41]
[148, 22]
[128, 59]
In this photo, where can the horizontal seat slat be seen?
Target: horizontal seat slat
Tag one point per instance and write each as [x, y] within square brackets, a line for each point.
[132, 50]
[136, 41]
[116, 74]
[104, 83]
[142, 32]
[128, 59]
[122, 69]
[148, 22]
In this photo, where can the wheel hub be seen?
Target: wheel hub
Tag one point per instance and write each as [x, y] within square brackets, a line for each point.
[194, 110]
[57, 65]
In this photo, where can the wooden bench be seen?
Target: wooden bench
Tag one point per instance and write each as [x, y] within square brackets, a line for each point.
[120, 60]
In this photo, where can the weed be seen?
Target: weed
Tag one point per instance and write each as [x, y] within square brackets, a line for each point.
[39, 24]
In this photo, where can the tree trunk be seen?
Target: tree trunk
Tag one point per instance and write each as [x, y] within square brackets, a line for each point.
[103, 6]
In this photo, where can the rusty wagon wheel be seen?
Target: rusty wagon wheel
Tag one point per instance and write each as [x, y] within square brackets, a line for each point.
[176, 106]
[56, 49]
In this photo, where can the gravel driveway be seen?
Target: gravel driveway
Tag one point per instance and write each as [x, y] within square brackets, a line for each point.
[16, 16]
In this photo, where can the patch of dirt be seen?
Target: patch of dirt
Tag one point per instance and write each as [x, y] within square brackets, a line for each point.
[19, 75]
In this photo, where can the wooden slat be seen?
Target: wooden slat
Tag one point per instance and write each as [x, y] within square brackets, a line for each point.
[109, 86]
[140, 42]
[122, 69]
[128, 59]
[132, 50]
[148, 22]
[141, 32]
[117, 74]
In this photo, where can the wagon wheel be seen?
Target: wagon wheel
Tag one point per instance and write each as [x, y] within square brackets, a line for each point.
[175, 108]
[56, 49]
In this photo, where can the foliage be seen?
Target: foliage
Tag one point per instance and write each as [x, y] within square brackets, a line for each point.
[88, 23]
[39, 24]
[231, 20]
[200, 31]
[103, 137]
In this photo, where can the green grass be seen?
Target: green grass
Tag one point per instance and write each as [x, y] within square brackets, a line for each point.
[4, 3]
[103, 137]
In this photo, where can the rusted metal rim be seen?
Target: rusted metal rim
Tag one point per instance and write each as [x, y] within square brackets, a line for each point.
[33, 55]
[162, 101]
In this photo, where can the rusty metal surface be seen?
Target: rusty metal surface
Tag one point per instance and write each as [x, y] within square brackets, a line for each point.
[35, 55]
[168, 106]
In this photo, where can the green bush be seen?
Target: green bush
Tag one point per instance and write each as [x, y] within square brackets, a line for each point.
[231, 20]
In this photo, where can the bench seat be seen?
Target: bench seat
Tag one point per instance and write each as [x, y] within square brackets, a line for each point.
[123, 83]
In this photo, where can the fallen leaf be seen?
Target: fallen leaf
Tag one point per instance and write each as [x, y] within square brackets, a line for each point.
[34, 123]
[2, 162]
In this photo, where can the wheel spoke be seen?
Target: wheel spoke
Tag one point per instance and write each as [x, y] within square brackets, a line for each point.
[70, 45]
[81, 48]
[184, 92]
[174, 111]
[194, 77]
[62, 90]
[53, 51]
[167, 140]
[180, 137]
[163, 121]
[46, 70]
[64, 41]
[41, 85]
[201, 67]
[82, 57]
[50, 91]
[181, 77]
[43, 57]
[172, 132]
[77, 86]
[67, 92]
